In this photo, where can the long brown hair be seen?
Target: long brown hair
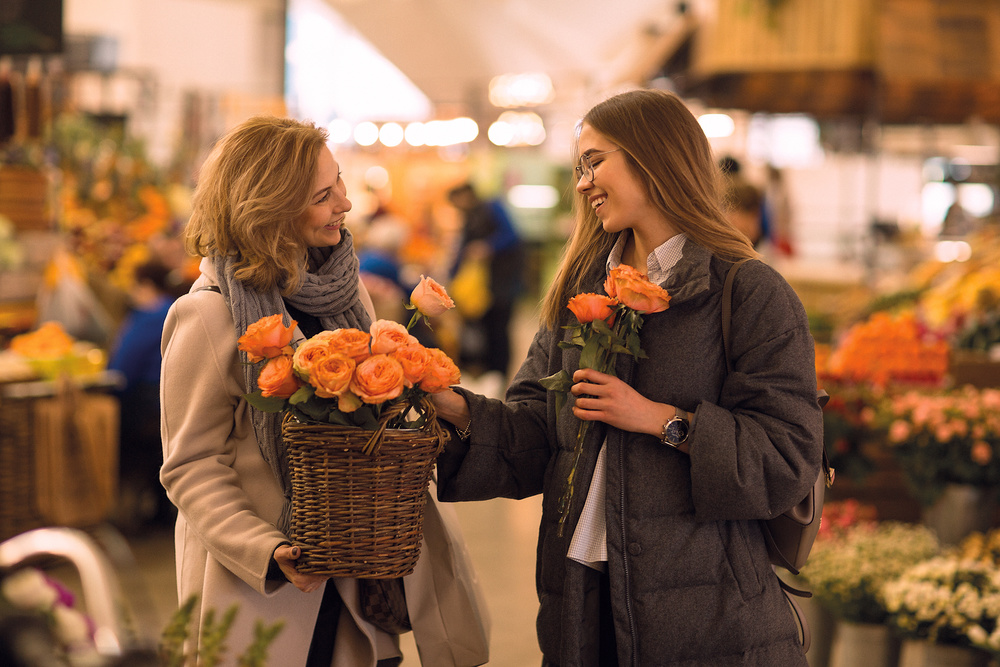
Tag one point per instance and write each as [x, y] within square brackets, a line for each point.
[252, 192]
[667, 150]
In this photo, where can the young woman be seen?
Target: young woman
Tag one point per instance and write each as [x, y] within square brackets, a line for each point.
[661, 560]
[268, 220]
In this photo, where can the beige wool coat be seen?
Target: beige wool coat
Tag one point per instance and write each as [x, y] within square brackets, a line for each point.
[228, 498]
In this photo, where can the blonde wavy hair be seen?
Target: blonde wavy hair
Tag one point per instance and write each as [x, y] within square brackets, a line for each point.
[666, 149]
[252, 192]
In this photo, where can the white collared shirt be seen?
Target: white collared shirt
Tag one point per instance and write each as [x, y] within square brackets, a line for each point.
[589, 545]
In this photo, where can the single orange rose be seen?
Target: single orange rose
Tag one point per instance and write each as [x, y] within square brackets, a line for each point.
[331, 376]
[266, 338]
[590, 307]
[309, 353]
[441, 372]
[388, 335]
[351, 342]
[632, 288]
[430, 297]
[377, 379]
[277, 378]
[619, 273]
[414, 359]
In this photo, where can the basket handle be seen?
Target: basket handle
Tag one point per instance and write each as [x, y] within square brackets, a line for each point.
[396, 409]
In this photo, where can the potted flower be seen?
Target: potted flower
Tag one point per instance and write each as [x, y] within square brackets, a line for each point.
[849, 429]
[946, 609]
[947, 443]
[845, 572]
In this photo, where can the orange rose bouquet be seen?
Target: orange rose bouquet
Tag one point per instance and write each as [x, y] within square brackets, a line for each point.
[606, 326]
[348, 376]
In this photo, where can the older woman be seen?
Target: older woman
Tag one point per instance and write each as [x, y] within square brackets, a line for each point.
[268, 220]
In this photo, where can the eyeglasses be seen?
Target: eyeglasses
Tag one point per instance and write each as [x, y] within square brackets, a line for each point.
[586, 167]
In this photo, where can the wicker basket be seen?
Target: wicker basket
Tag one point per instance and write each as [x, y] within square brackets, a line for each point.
[356, 514]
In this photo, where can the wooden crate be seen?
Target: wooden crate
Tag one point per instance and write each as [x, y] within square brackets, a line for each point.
[24, 198]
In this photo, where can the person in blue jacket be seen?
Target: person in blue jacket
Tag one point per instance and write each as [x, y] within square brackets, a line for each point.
[136, 355]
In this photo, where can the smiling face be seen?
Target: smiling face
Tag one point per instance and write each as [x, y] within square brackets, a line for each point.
[617, 195]
[328, 204]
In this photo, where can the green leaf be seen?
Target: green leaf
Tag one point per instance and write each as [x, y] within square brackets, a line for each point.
[302, 394]
[316, 409]
[265, 404]
[338, 417]
[591, 352]
[560, 381]
[365, 418]
[601, 327]
[560, 401]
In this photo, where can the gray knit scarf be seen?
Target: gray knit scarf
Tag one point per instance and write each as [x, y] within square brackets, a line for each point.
[330, 291]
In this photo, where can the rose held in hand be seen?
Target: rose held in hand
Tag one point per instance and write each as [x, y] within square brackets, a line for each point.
[607, 325]
[590, 307]
[632, 288]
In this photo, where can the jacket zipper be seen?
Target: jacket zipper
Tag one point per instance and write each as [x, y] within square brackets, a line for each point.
[628, 587]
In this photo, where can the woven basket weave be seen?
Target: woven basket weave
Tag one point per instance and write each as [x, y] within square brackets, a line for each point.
[356, 514]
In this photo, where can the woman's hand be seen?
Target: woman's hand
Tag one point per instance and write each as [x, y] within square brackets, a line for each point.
[452, 408]
[285, 556]
[605, 398]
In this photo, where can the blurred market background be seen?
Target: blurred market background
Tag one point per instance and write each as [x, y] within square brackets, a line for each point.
[865, 135]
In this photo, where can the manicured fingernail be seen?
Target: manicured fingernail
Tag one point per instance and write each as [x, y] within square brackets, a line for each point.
[295, 552]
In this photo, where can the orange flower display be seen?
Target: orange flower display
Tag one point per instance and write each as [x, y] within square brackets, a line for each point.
[889, 348]
[49, 341]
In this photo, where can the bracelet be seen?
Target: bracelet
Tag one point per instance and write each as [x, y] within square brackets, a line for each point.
[465, 433]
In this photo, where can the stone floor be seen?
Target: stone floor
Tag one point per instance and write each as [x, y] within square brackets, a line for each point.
[500, 535]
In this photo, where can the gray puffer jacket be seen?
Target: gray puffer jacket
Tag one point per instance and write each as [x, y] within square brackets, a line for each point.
[690, 578]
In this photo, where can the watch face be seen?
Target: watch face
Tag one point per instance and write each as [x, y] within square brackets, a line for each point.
[677, 431]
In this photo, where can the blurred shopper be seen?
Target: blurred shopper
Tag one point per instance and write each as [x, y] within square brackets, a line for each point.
[743, 201]
[268, 221]
[489, 238]
[661, 559]
[136, 354]
[778, 214]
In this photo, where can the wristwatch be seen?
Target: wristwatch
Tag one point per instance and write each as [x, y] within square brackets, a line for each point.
[675, 431]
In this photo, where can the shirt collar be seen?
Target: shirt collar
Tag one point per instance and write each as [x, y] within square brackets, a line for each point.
[660, 261]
